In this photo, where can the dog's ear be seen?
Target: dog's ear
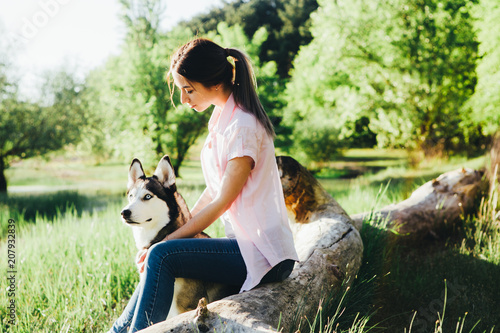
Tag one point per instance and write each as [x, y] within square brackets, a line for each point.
[165, 172]
[135, 172]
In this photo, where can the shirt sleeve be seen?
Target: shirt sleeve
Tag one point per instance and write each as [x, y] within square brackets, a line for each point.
[244, 141]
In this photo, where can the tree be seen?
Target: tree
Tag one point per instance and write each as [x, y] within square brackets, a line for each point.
[132, 100]
[287, 23]
[485, 104]
[142, 18]
[294, 32]
[30, 129]
[146, 99]
[407, 65]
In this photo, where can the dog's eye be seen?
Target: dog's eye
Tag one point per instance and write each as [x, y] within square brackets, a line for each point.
[147, 196]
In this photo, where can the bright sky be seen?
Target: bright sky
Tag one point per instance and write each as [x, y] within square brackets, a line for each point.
[77, 33]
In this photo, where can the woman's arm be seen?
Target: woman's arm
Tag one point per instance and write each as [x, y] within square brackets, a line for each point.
[233, 180]
[203, 201]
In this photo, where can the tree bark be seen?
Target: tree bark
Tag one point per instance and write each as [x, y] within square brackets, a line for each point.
[433, 207]
[306, 200]
[3, 179]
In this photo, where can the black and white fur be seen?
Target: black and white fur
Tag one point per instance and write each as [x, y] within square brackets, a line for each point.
[155, 209]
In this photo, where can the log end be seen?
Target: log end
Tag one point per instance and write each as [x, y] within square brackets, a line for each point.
[306, 200]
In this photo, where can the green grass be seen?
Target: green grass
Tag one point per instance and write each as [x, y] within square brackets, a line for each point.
[435, 285]
[75, 266]
[483, 231]
[39, 175]
[72, 272]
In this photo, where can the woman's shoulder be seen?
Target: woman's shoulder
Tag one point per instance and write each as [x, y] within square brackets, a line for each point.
[244, 120]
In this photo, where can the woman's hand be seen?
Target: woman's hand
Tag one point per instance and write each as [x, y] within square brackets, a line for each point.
[140, 258]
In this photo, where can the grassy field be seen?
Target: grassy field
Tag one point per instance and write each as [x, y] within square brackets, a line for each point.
[74, 257]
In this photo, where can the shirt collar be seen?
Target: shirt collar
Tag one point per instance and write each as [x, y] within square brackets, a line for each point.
[220, 118]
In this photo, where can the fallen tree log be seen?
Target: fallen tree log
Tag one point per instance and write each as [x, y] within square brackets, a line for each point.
[329, 248]
[330, 252]
[434, 206]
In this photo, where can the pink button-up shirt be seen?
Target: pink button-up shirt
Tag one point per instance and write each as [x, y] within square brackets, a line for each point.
[257, 218]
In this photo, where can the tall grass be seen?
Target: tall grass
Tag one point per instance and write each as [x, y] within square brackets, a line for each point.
[483, 231]
[75, 268]
[73, 272]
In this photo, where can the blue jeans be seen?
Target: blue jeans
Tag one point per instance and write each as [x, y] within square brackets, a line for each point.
[209, 259]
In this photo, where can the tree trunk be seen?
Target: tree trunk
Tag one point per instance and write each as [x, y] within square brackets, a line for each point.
[3, 179]
[330, 250]
[177, 165]
[433, 207]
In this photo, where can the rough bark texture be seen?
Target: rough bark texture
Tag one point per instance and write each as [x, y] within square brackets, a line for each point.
[494, 158]
[306, 200]
[330, 250]
[435, 205]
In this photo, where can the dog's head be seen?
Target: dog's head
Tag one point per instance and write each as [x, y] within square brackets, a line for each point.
[151, 200]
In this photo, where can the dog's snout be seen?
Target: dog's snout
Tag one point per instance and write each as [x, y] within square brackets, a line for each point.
[126, 213]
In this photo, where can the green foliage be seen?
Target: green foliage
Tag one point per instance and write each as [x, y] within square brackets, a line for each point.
[485, 104]
[130, 98]
[287, 23]
[30, 129]
[396, 73]
[408, 66]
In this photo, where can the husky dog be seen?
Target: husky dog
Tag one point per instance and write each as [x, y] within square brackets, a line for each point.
[155, 209]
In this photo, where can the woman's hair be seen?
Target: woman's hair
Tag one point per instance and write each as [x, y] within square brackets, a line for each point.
[205, 62]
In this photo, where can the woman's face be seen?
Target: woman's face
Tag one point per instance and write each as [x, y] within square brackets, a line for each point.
[195, 94]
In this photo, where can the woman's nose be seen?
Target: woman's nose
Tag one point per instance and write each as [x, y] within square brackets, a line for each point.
[184, 98]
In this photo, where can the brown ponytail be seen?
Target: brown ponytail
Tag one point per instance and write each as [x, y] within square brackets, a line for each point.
[205, 62]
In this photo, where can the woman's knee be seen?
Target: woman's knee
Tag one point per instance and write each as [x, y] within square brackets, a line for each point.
[161, 249]
[165, 255]
[157, 253]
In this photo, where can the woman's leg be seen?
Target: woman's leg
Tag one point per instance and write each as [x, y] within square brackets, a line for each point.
[123, 322]
[212, 259]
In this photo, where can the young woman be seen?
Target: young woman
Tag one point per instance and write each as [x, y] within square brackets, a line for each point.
[243, 189]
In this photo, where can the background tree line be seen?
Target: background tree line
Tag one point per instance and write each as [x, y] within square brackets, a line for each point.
[416, 74]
